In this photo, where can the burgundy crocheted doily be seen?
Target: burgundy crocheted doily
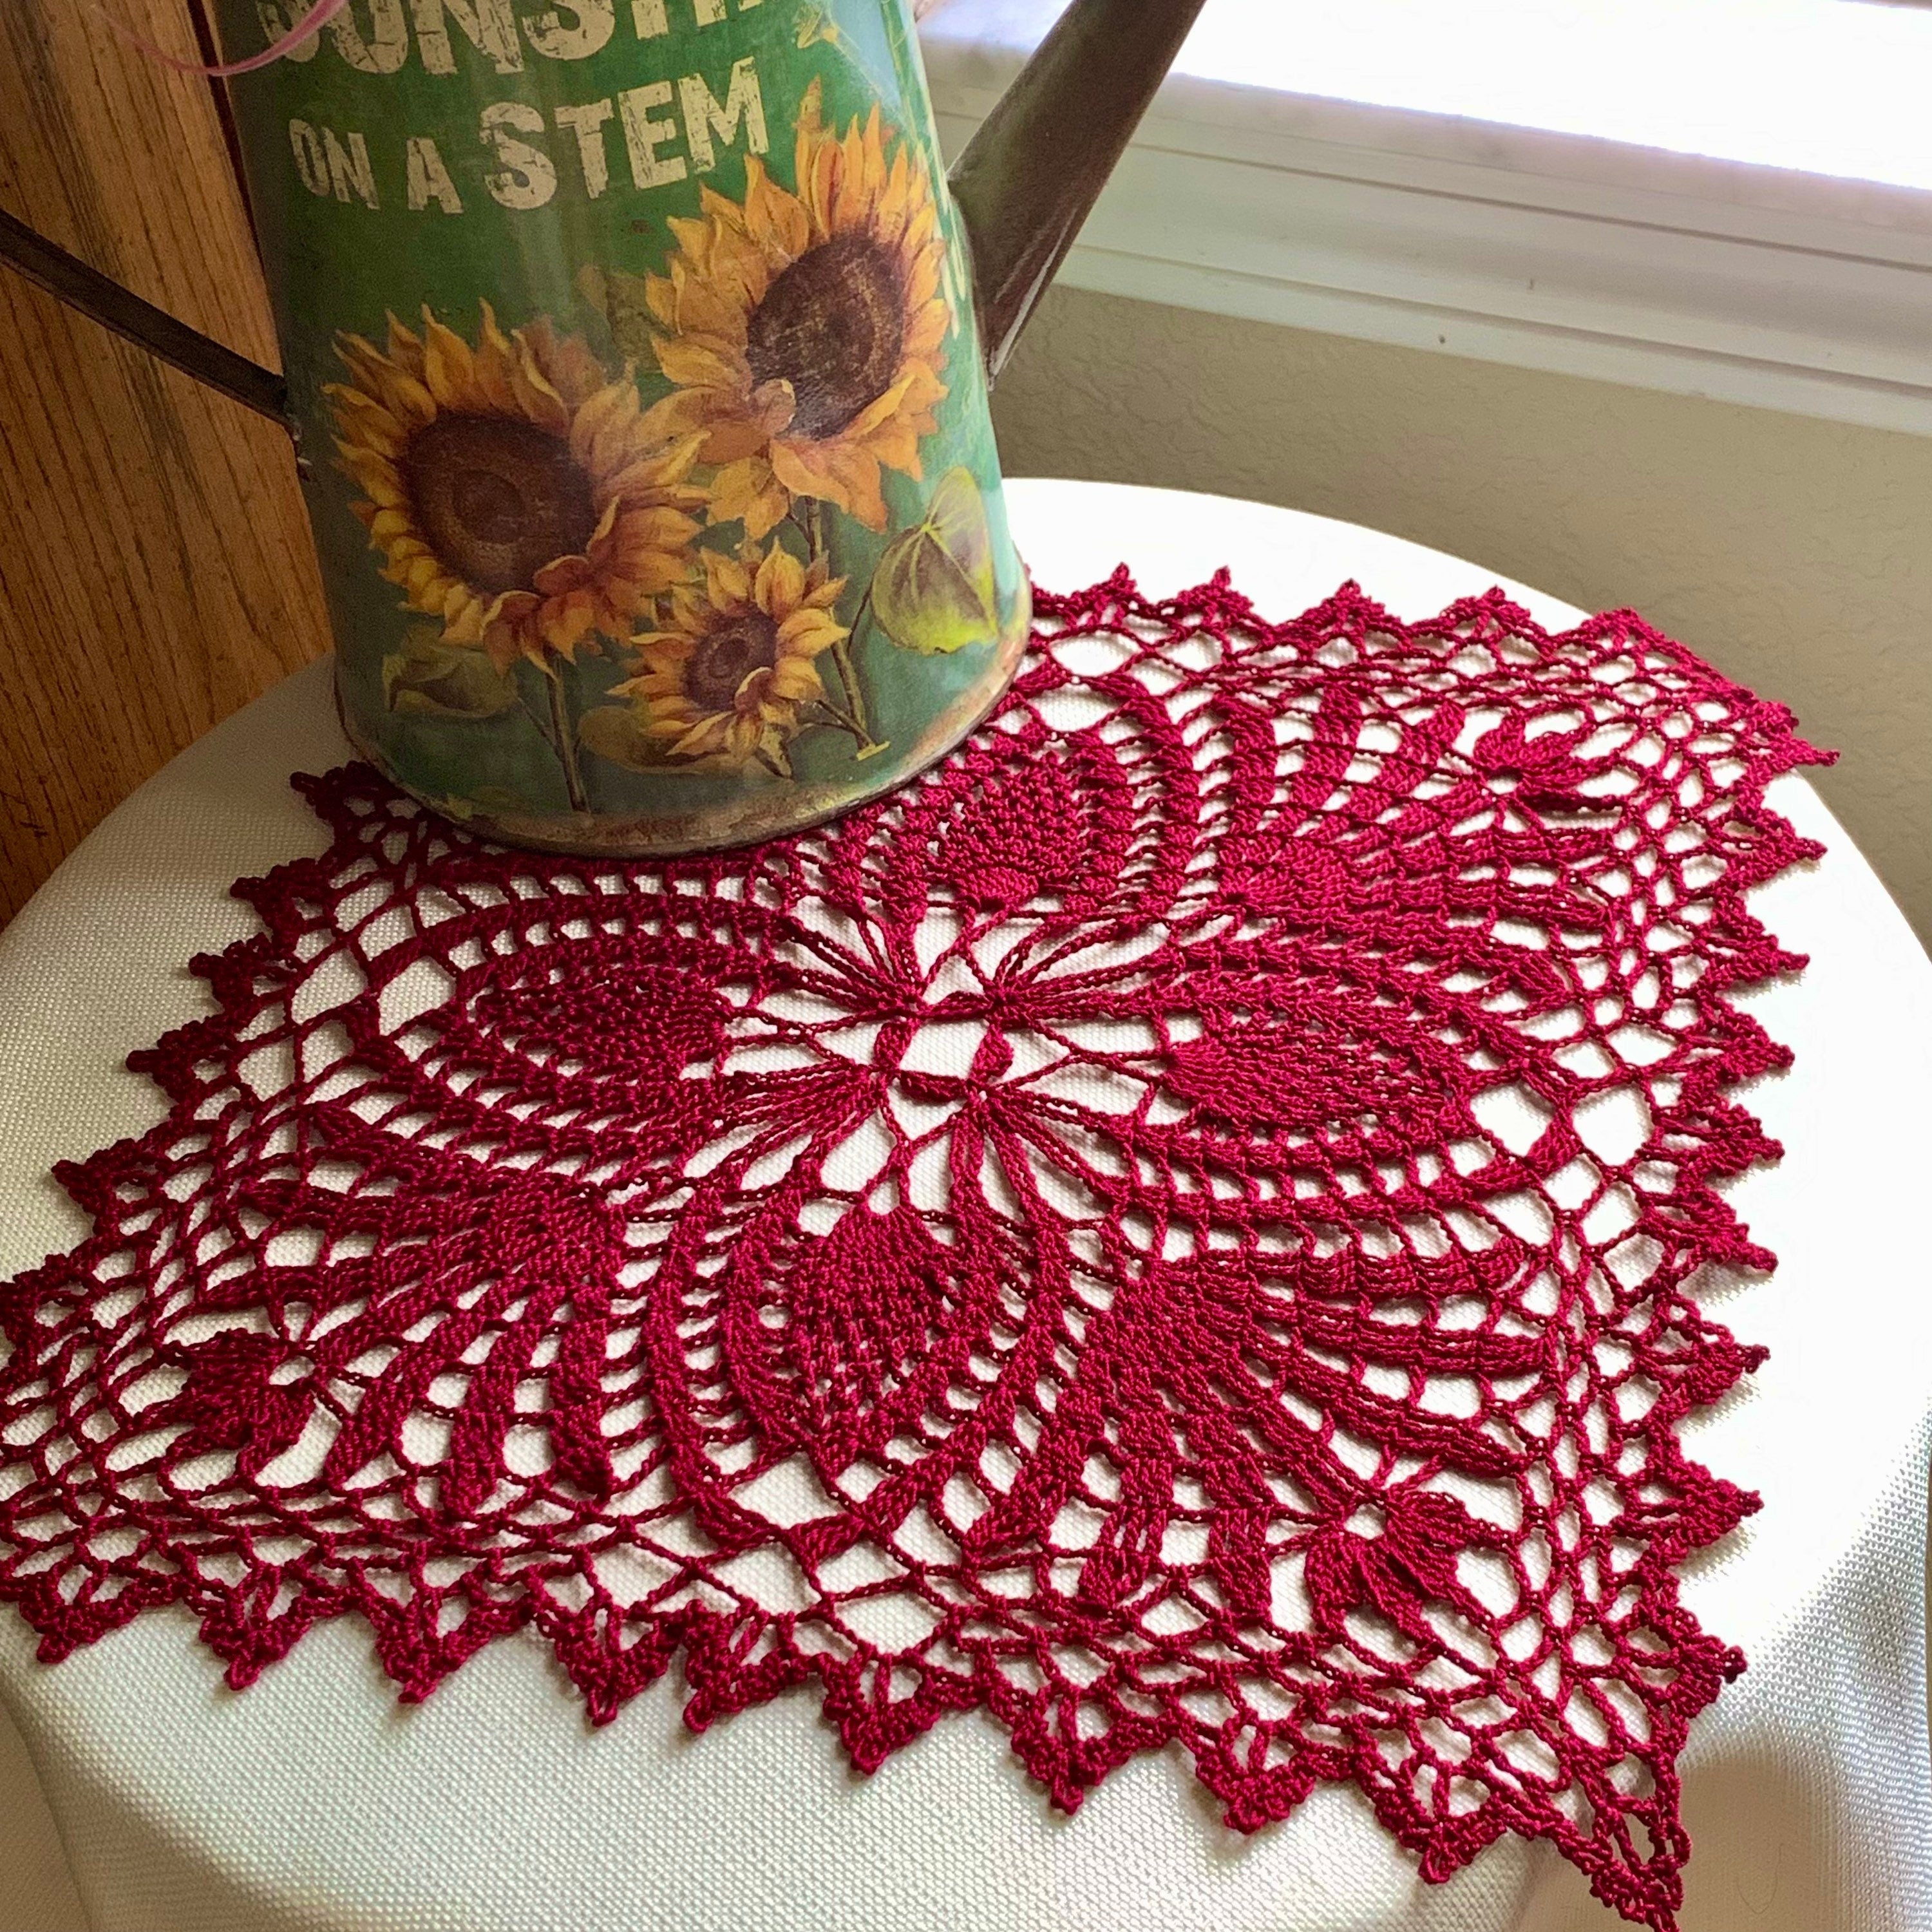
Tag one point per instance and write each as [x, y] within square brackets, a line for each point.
[1179, 1226]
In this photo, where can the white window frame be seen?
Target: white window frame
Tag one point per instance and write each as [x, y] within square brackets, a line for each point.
[1516, 181]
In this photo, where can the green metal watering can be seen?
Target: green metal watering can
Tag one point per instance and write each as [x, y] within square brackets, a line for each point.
[638, 354]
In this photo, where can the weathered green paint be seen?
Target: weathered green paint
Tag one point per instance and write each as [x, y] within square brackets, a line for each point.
[433, 713]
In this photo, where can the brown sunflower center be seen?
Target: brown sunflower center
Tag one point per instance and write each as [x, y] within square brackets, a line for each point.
[725, 657]
[496, 500]
[832, 325]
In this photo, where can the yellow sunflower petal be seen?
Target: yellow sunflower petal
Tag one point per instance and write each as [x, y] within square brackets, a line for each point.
[880, 410]
[601, 432]
[562, 574]
[379, 479]
[928, 332]
[465, 626]
[680, 413]
[811, 113]
[708, 734]
[839, 473]
[852, 202]
[449, 371]
[795, 681]
[494, 364]
[538, 399]
[708, 305]
[746, 491]
[366, 364]
[564, 622]
[774, 218]
[779, 584]
[807, 632]
[405, 350]
[640, 546]
[726, 582]
[652, 528]
[657, 572]
[923, 276]
[566, 362]
[700, 362]
[645, 473]
[895, 443]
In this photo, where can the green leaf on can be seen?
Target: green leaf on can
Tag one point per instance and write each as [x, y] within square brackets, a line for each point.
[427, 678]
[612, 732]
[934, 590]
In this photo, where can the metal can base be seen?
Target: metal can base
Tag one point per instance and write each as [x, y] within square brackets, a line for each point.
[767, 813]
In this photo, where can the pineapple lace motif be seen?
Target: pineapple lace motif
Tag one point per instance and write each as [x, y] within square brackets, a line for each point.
[1180, 1225]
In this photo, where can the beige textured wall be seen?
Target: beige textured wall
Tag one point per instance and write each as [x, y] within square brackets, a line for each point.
[1795, 554]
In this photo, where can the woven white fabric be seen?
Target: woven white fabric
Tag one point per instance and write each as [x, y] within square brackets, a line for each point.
[137, 1794]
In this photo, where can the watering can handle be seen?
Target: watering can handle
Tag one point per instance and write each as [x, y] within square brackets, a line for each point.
[104, 300]
[1023, 187]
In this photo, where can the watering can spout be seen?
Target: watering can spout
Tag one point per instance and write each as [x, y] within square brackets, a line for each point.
[1029, 175]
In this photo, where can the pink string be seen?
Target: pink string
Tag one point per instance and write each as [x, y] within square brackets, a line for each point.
[317, 17]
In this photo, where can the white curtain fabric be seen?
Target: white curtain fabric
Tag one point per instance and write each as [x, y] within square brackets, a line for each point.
[137, 1794]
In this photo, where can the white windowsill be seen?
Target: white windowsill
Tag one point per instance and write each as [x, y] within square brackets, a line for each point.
[1724, 198]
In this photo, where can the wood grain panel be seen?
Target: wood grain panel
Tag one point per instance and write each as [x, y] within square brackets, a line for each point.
[155, 566]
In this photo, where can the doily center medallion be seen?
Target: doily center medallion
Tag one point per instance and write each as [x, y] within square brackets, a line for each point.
[1177, 1227]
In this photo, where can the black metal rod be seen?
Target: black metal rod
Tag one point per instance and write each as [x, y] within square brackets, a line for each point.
[103, 300]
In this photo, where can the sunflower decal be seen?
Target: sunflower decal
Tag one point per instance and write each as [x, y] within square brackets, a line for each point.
[513, 488]
[726, 679]
[663, 548]
[805, 331]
